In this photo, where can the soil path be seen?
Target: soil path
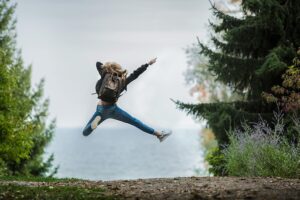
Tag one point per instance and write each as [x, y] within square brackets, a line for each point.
[190, 188]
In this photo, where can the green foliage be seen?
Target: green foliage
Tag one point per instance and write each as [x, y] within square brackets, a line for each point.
[204, 84]
[49, 188]
[38, 179]
[216, 159]
[3, 168]
[51, 192]
[208, 144]
[225, 116]
[259, 150]
[287, 94]
[249, 52]
[23, 112]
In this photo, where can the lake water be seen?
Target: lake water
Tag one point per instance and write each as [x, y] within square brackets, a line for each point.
[113, 154]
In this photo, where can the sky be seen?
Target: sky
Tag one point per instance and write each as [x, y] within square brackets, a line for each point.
[64, 39]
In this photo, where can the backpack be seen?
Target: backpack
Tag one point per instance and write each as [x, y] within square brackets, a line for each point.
[110, 87]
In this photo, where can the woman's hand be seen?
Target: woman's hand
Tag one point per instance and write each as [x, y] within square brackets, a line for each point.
[152, 61]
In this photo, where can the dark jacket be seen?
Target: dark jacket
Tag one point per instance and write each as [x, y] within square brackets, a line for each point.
[130, 78]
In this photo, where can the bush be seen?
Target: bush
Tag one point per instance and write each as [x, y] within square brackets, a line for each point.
[3, 168]
[216, 160]
[258, 150]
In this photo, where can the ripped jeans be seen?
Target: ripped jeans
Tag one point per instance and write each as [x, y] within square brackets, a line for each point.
[115, 112]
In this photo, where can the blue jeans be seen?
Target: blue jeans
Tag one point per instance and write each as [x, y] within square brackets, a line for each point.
[115, 112]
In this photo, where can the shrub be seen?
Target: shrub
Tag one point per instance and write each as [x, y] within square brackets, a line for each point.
[259, 150]
[3, 168]
[216, 160]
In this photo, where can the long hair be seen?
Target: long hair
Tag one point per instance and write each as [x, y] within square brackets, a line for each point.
[113, 67]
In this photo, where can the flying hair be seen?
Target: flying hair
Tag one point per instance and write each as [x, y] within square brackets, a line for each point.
[113, 67]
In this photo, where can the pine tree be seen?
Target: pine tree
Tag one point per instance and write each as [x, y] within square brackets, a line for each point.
[249, 54]
[23, 112]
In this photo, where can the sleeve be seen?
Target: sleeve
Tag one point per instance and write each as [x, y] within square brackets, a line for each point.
[135, 74]
[99, 67]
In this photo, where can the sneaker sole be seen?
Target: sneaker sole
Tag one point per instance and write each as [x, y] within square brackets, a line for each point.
[165, 137]
[95, 122]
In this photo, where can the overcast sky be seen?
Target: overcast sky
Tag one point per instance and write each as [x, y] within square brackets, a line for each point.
[64, 39]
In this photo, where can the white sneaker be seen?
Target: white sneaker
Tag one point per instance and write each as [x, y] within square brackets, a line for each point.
[164, 135]
[95, 122]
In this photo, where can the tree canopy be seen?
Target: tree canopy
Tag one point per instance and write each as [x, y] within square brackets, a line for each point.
[24, 132]
[249, 53]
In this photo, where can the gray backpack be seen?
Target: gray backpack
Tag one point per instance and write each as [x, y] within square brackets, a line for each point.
[110, 87]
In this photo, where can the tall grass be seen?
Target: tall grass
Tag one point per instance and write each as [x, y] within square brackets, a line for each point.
[259, 150]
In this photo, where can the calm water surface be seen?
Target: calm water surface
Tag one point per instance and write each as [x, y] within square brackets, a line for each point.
[113, 154]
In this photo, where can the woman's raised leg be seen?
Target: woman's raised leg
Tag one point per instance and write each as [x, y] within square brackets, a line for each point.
[123, 116]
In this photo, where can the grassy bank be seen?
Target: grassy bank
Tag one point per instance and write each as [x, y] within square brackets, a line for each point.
[49, 188]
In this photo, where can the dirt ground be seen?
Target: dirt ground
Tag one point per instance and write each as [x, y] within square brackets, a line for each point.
[207, 188]
[190, 188]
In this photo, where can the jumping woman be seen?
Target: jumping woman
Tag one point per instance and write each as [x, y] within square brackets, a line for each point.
[113, 82]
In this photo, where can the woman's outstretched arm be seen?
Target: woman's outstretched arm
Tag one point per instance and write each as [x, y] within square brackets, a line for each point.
[138, 71]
